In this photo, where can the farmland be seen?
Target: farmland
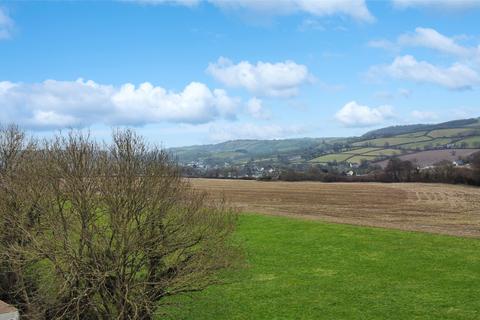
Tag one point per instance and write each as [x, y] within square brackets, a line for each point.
[430, 157]
[464, 139]
[437, 208]
[301, 267]
[460, 136]
[373, 146]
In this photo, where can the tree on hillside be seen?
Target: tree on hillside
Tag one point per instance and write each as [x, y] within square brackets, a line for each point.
[475, 161]
[115, 231]
[399, 171]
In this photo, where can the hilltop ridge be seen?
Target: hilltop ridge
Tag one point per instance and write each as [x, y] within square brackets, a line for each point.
[373, 146]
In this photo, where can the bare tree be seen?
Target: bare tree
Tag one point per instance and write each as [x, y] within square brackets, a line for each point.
[117, 231]
[399, 171]
[20, 190]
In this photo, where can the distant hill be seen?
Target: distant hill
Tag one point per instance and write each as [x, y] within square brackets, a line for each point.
[373, 146]
[396, 130]
[240, 151]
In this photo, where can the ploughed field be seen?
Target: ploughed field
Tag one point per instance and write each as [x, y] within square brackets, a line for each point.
[436, 208]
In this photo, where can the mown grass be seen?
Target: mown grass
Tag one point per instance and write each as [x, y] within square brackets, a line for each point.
[311, 270]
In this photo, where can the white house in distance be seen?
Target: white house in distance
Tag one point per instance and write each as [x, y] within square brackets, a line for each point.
[7, 312]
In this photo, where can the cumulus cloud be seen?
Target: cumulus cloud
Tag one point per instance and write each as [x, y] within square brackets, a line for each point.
[56, 104]
[424, 115]
[456, 77]
[233, 131]
[281, 79]
[6, 25]
[437, 4]
[256, 109]
[353, 114]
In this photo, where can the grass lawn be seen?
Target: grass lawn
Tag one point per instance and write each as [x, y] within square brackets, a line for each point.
[312, 270]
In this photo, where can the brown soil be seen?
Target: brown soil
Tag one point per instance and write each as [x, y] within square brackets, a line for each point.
[436, 208]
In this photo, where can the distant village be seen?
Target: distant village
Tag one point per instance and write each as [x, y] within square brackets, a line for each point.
[252, 170]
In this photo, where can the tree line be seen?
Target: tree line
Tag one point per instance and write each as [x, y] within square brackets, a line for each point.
[397, 170]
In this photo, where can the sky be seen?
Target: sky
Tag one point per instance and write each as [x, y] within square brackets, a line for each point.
[185, 72]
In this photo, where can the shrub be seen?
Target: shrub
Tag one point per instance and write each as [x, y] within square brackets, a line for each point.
[105, 231]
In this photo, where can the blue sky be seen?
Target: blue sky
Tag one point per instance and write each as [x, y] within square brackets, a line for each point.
[192, 72]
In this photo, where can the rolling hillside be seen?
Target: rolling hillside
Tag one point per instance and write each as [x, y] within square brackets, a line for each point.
[426, 144]
[242, 151]
[459, 137]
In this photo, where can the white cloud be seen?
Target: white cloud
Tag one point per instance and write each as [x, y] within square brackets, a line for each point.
[187, 3]
[280, 79]
[256, 109]
[57, 104]
[424, 115]
[464, 112]
[353, 114]
[437, 4]
[427, 38]
[430, 38]
[6, 25]
[234, 131]
[457, 77]
[383, 44]
[311, 24]
[356, 9]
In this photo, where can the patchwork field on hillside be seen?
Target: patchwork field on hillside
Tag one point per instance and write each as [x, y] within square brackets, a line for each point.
[372, 150]
[437, 208]
[373, 146]
[430, 157]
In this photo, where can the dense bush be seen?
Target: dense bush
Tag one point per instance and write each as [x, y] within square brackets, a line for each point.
[94, 231]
